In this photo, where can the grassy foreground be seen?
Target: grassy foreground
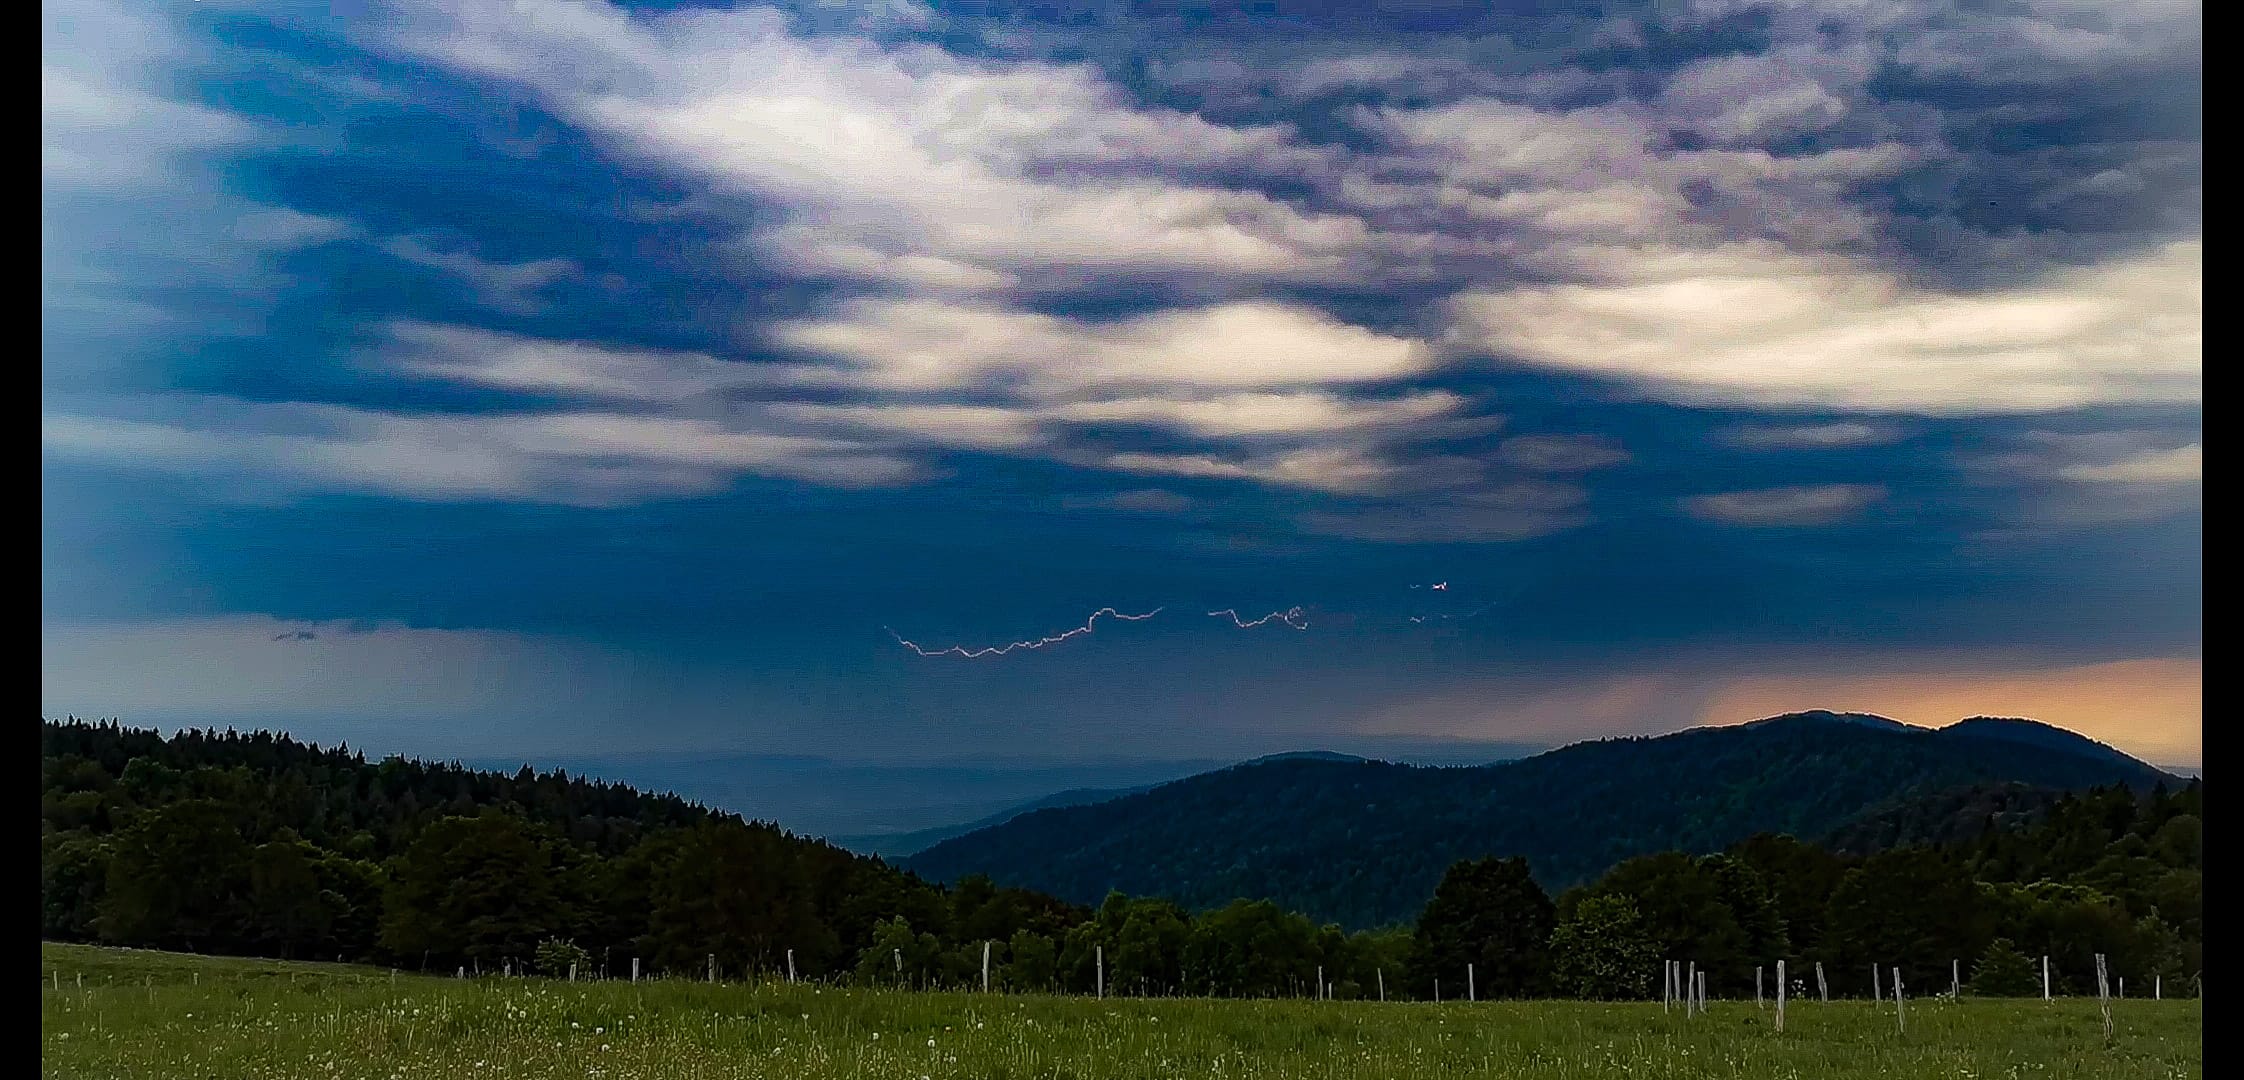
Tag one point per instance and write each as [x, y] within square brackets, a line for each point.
[122, 1013]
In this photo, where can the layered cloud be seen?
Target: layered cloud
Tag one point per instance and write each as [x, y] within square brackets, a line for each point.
[1296, 268]
[1816, 504]
[1755, 326]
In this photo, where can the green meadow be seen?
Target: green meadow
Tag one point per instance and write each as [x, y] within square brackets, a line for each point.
[128, 1013]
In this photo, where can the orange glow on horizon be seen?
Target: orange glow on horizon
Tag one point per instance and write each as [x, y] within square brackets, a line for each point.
[2152, 709]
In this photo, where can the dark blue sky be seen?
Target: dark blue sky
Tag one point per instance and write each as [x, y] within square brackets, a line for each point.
[562, 380]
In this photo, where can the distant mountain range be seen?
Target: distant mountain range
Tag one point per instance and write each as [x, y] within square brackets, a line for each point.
[1362, 843]
[901, 844]
[896, 845]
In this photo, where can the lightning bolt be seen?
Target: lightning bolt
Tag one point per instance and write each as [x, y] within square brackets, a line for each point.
[1000, 650]
[1439, 586]
[1291, 617]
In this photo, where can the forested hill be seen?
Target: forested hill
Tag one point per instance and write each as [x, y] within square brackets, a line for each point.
[1364, 843]
[258, 844]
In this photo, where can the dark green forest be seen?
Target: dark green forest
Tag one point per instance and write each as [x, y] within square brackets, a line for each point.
[1362, 843]
[255, 844]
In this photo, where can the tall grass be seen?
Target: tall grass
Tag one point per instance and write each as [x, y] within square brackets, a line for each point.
[161, 1014]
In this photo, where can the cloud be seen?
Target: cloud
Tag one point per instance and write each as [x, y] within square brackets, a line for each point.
[1818, 504]
[937, 345]
[2181, 465]
[511, 287]
[1252, 415]
[581, 458]
[903, 162]
[1837, 434]
[991, 252]
[1560, 453]
[1755, 326]
[1509, 510]
[133, 215]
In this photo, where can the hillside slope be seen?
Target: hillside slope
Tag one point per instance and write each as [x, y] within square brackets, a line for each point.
[896, 845]
[1363, 843]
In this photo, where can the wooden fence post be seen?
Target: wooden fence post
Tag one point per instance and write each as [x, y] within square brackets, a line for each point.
[1780, 997]
[2103, 996]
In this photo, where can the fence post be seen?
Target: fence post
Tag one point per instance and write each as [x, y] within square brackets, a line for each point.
[985, 966]
[1822, 986]
[1382, 984]
[634, 969]
[1780, 997]
[1102, 972]
[1470, 994]
[2103, 996]
[1899, 1017]
[712, 967]
[1756, 986]
[2045, 978]
[572, 971]
[790, 965]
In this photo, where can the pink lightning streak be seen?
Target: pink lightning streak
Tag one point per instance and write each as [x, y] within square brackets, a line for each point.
[1291, 617]
[1000, 650]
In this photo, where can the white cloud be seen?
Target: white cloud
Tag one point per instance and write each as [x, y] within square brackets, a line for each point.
[581, 458]
[2181, 465]
[1753, 325]
[512, 287]
[132, 205]
[572, 368]
[1337, 469]
[923, 345]
[1817, 504]
[906, 161]
[1296, 413]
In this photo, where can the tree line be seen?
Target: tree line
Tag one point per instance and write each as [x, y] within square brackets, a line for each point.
[256, 844]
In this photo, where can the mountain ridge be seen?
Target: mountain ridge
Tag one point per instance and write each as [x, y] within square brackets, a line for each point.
[904, 844]
[1363, 842]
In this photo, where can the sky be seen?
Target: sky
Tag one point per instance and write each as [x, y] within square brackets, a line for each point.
[565, 381]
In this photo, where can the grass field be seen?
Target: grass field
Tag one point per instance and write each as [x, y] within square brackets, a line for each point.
[123, 1013]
